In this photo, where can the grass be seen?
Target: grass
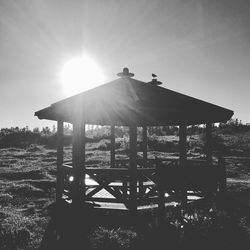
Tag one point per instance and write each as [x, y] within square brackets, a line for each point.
[27, 187]
[104, 238]
[19, 231]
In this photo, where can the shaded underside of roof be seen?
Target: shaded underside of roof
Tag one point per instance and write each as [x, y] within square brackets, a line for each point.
[127, 101]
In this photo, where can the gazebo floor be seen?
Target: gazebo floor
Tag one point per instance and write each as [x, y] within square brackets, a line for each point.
[122, 207]
[169, 201]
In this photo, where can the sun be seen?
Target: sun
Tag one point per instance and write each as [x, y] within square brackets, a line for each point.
[80, 74]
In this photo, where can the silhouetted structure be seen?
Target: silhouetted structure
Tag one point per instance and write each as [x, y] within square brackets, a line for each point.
[129, 102]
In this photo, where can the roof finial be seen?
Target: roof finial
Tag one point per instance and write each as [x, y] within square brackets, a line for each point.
[154, 80]
[125, 73]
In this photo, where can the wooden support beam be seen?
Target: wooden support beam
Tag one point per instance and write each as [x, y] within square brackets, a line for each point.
[161, 194]
[82, 159]
[183, 144]
[112, 152]
[209, 143]
[133, 168]
[144, 145]
[60, 175]
[78, 161]
[183, 155]
[222, 176]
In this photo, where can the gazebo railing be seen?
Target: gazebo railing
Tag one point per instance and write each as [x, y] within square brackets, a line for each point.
[195, 175]
[112, 185]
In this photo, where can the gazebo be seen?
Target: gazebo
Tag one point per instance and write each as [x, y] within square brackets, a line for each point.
[133, 103]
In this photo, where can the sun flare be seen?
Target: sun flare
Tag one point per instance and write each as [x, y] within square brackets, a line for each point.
[80, 74]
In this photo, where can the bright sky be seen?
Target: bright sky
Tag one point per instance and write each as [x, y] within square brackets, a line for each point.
[196, 47]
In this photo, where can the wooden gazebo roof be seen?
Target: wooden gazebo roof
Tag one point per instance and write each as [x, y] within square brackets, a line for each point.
[127, 101]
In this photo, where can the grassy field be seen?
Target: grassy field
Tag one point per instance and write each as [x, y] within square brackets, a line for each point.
[27, 183]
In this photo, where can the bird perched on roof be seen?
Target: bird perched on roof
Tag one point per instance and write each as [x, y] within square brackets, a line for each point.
[154, 80]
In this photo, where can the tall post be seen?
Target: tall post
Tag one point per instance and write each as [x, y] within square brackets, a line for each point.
[78, 161]
[183, 158]
[209, 143]
[112, 152]
[144, 145]
[161, 193]
[82, 160]
[60, 176]
[133, 168]
[222, 176]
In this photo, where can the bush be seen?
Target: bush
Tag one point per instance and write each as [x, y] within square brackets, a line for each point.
[113, 239]
[28, 174]
[218, 144]
[162, 145]
[23, 137]
[15, 231]
[16, 137]
[14, 239]
[233, 126]
[5, 199]
[25, 190]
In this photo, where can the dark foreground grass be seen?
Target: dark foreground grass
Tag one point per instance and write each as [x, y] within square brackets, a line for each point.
[20, 229]
[205, 224]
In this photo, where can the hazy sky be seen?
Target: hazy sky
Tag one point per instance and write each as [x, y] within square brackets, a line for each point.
[196, 47]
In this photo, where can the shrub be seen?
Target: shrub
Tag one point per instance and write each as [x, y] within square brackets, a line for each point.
[14, 239]
[162, 145]
[15, 231]
[33, 148]
[16, 137]
[26, 190]
[29, 174]
[113, 239]
[5, 199]
[218, 144]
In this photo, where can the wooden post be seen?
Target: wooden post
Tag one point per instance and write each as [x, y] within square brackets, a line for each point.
[112, 152]
[60, 175]
[144, 145]
[82, 161]
[144, 160]
[78, 160]
[183, 144]
[161, 193]
[183, 158]
[209, 143]
[133, 168]
[222, 176]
